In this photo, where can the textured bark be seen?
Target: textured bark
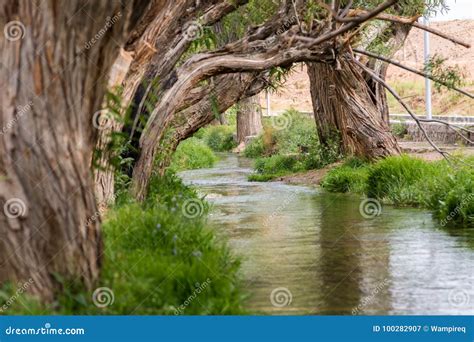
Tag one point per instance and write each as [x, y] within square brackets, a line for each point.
[341, 99]
[256, 52]
[228, 89]
[329, 125]
[396, 36]
[48, 218]
[157, 44]
[249, 119]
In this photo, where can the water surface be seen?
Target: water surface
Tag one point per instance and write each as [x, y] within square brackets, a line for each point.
[306, 251]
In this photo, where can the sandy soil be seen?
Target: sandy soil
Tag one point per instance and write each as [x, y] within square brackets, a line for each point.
[296, 92]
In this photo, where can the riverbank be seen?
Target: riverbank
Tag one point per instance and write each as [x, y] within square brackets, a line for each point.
[307, 251]
[418, 150]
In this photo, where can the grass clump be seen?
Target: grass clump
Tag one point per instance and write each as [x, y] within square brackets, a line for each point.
[219, 138]
[160, 259]
[191, 154]
[448, 190]
[349, 177]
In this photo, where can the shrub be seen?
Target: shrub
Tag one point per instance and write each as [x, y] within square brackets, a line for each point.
[451, 194]
[399, 129]
[289, 145]
[396, 178]
[447, 190]
[346, 179]
[160, 259]
[218, 138]
[192, 153]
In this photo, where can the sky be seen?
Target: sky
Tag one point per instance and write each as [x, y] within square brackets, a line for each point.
[459, 9]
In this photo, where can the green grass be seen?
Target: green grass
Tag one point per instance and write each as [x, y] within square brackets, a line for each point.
[448, 190]
[160, 258]
[289, 147]
[191, 154]
[219, 138]
[349, 177]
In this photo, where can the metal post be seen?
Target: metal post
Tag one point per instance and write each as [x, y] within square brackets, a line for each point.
[268, 102]
[426, 37]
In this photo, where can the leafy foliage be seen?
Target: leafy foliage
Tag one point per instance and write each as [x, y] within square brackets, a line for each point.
[191, 154]
[451, 76]
[156, 261]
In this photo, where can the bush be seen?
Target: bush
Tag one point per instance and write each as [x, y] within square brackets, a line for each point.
[293, 147]
[346, 178]
[160, 259]
[278, 165]
[396, 179]
[451, 194]
[218, 138]
[399, 129]
[255, 148]
[191, 154]
[447, 190]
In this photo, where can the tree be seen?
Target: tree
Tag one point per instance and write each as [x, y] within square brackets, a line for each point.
[281, 41]
[330, 116]
[249, 120]
[55, 62]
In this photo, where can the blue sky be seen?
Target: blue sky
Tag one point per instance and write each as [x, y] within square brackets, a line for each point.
[459, 9]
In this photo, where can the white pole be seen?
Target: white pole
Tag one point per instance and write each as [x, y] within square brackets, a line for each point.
[268, 103]
[426, 37]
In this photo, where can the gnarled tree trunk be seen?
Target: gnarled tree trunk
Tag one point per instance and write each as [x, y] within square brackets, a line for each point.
[328, 122]
[342, 102]
[157, 44]
[53, 78]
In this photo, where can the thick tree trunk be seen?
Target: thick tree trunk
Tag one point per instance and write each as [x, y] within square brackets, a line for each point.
[342, 103]
[249, 119]
[53, 78]
[157, 44]
[329, 125]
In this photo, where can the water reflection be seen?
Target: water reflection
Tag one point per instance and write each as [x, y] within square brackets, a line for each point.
[331, 259]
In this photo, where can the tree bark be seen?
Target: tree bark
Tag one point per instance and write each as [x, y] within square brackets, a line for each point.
[228, 90]
[53, 78]
[342, 102]
[322, 91]
[249, 119]
[157, 44]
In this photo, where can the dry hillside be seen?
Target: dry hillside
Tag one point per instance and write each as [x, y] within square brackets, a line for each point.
[296, 91]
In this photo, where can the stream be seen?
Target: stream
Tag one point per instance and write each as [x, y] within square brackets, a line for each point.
[306, 251]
